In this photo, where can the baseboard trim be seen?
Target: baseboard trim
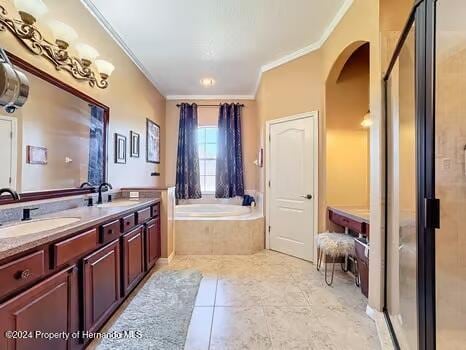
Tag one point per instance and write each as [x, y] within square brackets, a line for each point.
[382, 328]
[166, 261]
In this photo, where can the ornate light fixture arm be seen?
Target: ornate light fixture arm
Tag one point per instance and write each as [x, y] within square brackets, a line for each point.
[33, 40]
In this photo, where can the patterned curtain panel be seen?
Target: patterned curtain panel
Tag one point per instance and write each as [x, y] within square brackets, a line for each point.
[95, 175]
[229, 175]
[188, 180]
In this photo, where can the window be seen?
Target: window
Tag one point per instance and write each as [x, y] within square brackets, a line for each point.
[207, 143]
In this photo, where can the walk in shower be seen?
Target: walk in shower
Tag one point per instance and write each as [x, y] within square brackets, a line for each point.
[425, 88]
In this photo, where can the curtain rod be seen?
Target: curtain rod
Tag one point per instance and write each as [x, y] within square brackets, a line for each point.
[241, 105]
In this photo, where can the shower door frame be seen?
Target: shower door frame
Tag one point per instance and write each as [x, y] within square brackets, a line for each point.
[422, 16]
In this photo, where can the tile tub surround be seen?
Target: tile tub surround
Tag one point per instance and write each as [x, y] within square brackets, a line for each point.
[219, 236]
[89, 216]
[270, 300]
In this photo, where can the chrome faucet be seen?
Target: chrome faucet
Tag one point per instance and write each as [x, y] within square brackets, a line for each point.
[103, 185]
[14, 195]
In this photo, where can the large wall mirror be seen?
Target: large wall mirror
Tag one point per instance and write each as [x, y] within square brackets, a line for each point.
[55, 142]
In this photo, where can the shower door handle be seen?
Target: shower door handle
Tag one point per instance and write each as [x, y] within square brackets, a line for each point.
[307, 196]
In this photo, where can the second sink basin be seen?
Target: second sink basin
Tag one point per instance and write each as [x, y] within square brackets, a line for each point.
[35, 226]
[119, 203]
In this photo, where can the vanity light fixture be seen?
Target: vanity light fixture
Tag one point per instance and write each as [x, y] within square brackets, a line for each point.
[207, 82]
[86, 53]
[104, 68]
[63, 33]
[367, 121]
[81, 67]
[31, 10]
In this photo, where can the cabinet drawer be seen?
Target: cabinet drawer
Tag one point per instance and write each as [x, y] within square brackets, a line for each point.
[156, 210]
[353, 225]
[110, 231]
[128, 222]
[74, 247]
[143, 215]
[21, 272]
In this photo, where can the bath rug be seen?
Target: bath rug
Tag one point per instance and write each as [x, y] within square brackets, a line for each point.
[158, 317]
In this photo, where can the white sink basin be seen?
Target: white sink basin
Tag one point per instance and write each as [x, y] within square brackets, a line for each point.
[116, 204]
[35, 226]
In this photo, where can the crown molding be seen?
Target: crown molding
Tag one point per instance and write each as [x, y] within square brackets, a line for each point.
[210, 97]
[117, 38]
[264, 68]
[312, 47]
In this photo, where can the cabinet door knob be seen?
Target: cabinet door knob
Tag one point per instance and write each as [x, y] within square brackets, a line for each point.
[25, 274]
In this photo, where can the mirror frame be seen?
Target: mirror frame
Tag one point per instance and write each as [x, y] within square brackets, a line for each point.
[48, 194]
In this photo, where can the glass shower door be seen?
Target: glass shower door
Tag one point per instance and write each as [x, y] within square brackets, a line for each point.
[401, 293]
[450, 174]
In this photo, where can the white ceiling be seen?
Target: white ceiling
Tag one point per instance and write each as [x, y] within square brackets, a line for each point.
[178, 42]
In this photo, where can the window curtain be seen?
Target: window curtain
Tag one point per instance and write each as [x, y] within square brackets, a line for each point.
[95, 174]
[188, 182]
[229, 174]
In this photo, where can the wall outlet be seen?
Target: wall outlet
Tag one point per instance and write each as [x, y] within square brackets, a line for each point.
[134, 195]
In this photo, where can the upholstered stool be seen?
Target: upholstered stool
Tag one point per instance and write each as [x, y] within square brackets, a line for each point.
[333, 246]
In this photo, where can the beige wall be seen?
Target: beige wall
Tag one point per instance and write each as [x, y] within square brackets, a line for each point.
[347, 101]
[130, 96]
[298, 87]
[209, 116]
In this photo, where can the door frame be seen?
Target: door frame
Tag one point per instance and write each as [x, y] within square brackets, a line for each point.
[14, 149]
[314, 115]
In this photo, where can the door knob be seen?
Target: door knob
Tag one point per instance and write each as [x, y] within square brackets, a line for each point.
[307, 196]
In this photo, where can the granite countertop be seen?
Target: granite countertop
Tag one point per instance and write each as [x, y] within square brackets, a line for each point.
[88, 217]
[358, 214]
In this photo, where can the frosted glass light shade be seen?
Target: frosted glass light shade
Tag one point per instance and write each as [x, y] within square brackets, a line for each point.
[367, 121]
[105, 68]
[86, 53]
[63, 33]
[31, 10]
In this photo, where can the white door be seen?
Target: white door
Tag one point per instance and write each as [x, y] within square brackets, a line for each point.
[292, 165]
[6, 152]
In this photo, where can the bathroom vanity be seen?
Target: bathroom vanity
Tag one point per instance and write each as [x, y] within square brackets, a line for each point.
[355, 221]
[70, 280]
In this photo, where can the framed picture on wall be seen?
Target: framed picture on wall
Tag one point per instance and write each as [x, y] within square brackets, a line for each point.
[120, 149]
[135, 144]
[152, 142]
[36, 155]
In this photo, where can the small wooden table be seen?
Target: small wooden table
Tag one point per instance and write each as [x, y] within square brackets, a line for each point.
[355, 222]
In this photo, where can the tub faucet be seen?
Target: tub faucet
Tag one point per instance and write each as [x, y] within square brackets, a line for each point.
[14, 195]
[103, 185]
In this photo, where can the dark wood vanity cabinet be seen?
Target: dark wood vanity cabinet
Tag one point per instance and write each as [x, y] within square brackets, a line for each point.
[50, 306]
[152, 238]
[133, 258]
[76, 283]
[101, 284]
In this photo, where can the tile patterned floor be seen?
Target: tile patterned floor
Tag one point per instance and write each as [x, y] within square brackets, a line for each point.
[273, 301]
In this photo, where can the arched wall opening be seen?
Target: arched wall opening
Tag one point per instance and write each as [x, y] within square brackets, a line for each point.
[347, 102]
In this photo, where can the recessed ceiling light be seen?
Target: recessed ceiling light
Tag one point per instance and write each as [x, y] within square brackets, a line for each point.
[206, 82]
